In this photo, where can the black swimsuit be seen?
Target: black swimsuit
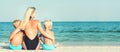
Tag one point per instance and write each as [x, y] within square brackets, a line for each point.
[31, 44]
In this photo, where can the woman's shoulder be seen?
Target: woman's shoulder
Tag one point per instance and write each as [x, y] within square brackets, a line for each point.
[36, 20]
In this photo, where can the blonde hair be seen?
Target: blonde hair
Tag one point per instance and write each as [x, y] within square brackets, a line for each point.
[27, 16]
[16, 21]
[47, 23]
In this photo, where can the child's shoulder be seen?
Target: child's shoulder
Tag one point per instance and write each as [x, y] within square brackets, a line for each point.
[20, 32]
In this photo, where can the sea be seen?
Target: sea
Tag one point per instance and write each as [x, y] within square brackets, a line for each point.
[76, 33]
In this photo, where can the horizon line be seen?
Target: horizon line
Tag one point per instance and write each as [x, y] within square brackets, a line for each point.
[73, 21]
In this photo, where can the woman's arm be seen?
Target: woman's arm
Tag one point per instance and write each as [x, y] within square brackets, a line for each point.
[42, 31]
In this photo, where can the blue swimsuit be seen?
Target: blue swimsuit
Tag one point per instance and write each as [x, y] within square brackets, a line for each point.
[47, 47]
[12, 47]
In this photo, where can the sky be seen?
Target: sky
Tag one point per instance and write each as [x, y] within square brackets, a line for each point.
[62, 10]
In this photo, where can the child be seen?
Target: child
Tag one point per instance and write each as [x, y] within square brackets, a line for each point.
[16, 40]
[48, 44]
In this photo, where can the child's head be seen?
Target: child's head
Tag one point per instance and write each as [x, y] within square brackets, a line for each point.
[48, 24]
[16, 23]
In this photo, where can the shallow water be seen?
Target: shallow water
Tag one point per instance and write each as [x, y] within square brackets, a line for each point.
[76, 33]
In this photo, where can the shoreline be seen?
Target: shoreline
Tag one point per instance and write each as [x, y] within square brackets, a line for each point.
[78, 43]
[4, 47]
[84, 48]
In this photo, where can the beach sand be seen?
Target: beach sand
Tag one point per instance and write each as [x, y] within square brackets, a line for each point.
[82, 48]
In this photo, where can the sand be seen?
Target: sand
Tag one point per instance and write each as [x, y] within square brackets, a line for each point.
[83, 48]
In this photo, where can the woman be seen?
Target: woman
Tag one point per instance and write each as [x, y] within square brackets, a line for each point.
[30, 28]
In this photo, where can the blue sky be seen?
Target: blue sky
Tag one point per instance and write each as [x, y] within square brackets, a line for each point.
[62, 10]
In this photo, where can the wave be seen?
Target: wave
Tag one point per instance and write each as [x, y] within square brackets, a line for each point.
[77, 31]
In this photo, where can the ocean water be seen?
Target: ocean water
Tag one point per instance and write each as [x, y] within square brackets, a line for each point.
[77, 33]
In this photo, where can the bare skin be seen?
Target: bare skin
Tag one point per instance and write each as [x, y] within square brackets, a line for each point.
[31, 30]
[17, 38]
[37, 26]
[47, 40]
[48, 28]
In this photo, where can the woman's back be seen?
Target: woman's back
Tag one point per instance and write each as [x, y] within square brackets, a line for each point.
[31, 29]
